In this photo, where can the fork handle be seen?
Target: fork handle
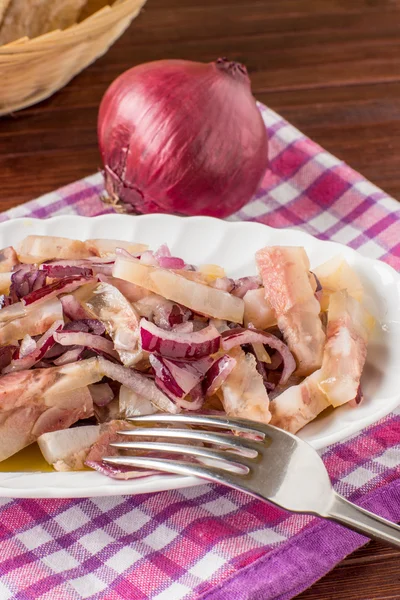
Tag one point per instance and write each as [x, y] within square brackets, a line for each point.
[346, 513]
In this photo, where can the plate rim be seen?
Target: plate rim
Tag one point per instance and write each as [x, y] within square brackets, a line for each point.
[115, 487]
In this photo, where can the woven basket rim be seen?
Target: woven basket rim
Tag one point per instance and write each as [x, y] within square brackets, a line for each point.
[92, 25]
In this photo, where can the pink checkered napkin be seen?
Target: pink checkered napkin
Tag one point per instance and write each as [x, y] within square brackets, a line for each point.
[209, 542]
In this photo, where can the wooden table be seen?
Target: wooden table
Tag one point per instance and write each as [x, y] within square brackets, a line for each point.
[330, 67]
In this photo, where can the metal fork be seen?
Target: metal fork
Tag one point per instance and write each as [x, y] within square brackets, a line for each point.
[276, 466]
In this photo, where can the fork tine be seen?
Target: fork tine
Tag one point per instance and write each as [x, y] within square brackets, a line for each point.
[197, 435]
[243, 425]
[197, 451]
[217, 475]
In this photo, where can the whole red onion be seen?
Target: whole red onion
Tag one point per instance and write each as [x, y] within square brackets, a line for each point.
[182, 137]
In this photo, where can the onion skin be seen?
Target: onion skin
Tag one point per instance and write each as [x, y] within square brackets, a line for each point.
[182, 137]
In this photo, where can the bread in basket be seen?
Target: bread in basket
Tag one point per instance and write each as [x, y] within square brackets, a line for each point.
[44, 59]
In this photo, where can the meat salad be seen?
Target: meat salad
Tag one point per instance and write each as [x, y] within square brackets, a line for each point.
[94, 332]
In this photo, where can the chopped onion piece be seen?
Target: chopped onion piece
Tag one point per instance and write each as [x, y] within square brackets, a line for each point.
[59, 271]
[178, 379]
[196, 296]
[171, 262]
[94, 342]
[24, 280]
[223, 283]
[245, 284]
[26, 361]
[162, 251]
[239, 336]
[217, 374]
[86, 325]
[168, 314]
[119, 472]
[138, 383]
[72, 308]
[63, 286]
[158, 309]
[176, 345]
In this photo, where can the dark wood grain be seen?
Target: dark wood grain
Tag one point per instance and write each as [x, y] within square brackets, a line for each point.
[331, 67]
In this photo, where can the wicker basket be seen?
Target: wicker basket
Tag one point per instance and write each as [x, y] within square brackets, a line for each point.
[33, 69]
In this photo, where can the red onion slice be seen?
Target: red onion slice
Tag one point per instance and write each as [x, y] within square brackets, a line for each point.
[239, 336]
[121, 472]
[176, 345]
[73, 309]
[167, 314]
[164, 378]
[89, 340]
[196, 402]
[68, 284]
[92, 265]
[217, 374]
[178, 379]
[26, 361]
[171, 262]
[25, 280]
[164, 259]
[139, 383]
[61, 271]
[245, 284]
[162, 252]
[86, 326]
[47, 340]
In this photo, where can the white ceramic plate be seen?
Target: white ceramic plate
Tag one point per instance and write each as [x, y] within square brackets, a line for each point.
[231, 245]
